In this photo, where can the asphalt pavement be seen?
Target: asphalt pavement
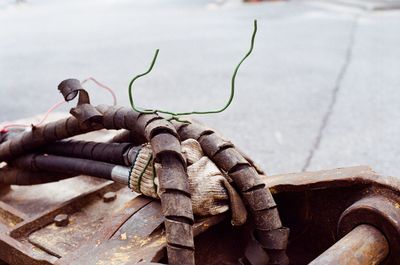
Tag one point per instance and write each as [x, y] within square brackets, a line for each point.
[321, 90]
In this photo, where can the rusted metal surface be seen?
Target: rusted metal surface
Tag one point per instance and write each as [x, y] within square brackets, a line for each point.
[380, 211]
[320, 202]
[130, 228]
[61, 220]
[84, 223]
[36, 207]
[364, 245]
[108, 224]
[109, 196]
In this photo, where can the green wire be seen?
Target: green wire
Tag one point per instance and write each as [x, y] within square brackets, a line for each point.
[142, 173]
[176, 114]
[134, 79]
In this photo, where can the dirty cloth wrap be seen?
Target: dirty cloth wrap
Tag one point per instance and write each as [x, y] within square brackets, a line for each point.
[207, 182]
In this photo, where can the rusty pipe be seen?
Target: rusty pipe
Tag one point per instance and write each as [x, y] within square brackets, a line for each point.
[364, 245]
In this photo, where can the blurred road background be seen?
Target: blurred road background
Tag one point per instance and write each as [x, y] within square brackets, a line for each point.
[321, 90]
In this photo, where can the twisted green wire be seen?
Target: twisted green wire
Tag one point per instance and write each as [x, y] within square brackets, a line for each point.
[134, 79]
[175, 115]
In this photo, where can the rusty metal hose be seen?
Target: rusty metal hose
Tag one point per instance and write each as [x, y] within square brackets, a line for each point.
[269, 234]
[269, 240]
[174, 187]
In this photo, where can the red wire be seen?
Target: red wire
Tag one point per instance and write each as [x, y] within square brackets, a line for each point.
[46, 115]
[5, 127]
[103, 86]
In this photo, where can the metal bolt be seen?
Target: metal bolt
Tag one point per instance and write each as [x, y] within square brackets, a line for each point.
[109, 196]
[61, 220]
